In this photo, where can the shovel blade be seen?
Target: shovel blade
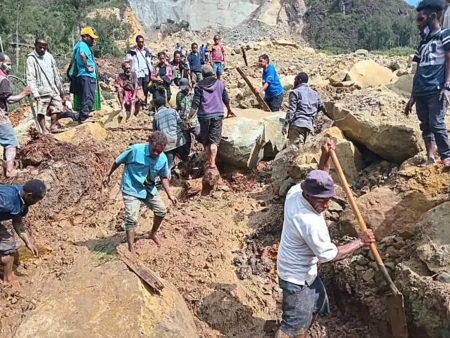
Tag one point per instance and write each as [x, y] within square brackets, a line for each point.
[397, 317]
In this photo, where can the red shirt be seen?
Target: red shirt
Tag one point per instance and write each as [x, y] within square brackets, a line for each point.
[217, 53]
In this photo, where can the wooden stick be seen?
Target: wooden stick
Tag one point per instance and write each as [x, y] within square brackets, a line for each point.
[140, 270]
[244, 55]
[260, 100]
[360, 219]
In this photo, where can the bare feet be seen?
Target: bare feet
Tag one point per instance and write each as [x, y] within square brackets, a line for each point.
[9, 282]
[11, 173]
[154, 238]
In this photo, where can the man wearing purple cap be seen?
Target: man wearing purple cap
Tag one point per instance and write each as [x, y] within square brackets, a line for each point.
[305, 241]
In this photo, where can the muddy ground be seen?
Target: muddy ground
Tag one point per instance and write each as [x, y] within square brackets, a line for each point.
[205, 241]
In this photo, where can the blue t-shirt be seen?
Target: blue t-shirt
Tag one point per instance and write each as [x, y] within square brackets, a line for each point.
[270, 76]
[430, 57]
[11, 203]
[141, 170]
[195, 62]
[82, 47]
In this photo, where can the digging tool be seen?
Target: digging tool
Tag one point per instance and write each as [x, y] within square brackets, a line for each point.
[260, 100]
[30, 101]
[395, 303]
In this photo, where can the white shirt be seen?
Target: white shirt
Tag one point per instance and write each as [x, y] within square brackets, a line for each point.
[305, 240]
[446, 23]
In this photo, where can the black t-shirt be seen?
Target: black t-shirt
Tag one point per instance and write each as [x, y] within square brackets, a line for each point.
[5, 92]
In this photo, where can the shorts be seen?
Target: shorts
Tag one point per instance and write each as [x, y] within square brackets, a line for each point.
[300, 303]
[7, 242]
[211, 130]
[196, 76]
[182, 152]
[217, 68]
[8, 138]
[298, 135]
[133, 208]
[275, 102]
[48, 105]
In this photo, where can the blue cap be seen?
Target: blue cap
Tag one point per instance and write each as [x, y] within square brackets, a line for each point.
[318, 184]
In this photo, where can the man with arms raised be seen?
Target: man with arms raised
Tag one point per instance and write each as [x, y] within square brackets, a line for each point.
[305, 241]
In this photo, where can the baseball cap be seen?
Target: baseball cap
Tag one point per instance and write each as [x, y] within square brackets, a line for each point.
[207, 70]
[89, 31]
[318, 184]
[183, 83]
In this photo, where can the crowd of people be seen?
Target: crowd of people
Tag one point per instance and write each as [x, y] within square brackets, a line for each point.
[198, 114]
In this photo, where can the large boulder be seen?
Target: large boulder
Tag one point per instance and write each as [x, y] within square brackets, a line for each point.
[434, 248]
[349, 156]
[368, 73]
[82, 133]
[107, 301]
[338, 77]
[403, 86]
[274, 139]
[280, 165]
[387, 133]
[287, 82]
[242, 142]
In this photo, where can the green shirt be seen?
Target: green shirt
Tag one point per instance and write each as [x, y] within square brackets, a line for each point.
[184, 103]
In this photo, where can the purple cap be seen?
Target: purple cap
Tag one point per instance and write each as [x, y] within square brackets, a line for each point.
[318, 184]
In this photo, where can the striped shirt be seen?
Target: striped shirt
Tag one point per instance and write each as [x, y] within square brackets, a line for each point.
[430, 57]
[169, 122]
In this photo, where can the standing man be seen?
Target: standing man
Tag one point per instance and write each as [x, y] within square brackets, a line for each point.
[14, 203]
[8, 138]
[86, 76]
[184, 103]
[180, 67]
[195, 60]
[217, 57]
[304, 104]
[167, 121]
[202, 49]
[141, 62]
[431, 85]
[209, 97]
[305, 241]
[162, 77]
[45, 85]
[271, 84]
[143, 164]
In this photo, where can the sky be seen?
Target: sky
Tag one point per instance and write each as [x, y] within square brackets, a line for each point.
[412, 2]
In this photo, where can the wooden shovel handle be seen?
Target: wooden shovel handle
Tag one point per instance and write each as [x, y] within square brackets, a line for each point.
[353, 204]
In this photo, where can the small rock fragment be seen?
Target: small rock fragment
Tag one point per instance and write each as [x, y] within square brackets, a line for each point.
[368, 275]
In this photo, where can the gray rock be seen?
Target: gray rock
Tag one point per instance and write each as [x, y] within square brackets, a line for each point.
[368, 275]
[285, 186]
[363, 261]
[444, 277]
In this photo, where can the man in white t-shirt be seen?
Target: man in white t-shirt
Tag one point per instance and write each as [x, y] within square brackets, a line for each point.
[446, 20]
[305, 241]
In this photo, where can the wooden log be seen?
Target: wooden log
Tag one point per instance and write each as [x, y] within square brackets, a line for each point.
[244, 55]
[144, 273]
[260, 100]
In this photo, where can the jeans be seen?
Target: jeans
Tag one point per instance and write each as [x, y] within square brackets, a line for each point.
[87, 96]
[431, 111]
[275, 102]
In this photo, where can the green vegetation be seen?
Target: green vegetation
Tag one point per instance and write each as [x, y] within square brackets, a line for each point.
[59, 22]
[342, 25]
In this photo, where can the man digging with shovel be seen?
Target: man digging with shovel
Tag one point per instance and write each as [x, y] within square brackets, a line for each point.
[305, 241]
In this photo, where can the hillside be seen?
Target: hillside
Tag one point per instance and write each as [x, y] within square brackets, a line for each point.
[343, 25]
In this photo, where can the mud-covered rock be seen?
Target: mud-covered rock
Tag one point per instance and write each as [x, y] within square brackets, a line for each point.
[274, 139]
[394, 139]
[434, 249]
[385, 212]
[107, 301]
[279, 165]
[82, 133]
[368, 73]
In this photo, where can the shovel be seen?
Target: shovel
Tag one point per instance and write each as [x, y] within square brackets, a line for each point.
[396, 308]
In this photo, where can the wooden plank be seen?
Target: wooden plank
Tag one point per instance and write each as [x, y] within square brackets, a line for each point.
[144, 273]
[244, 55]
[260, 100]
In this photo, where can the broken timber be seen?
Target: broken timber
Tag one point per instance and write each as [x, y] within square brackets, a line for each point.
[244, 55]
[135, 265]
[260, 100]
